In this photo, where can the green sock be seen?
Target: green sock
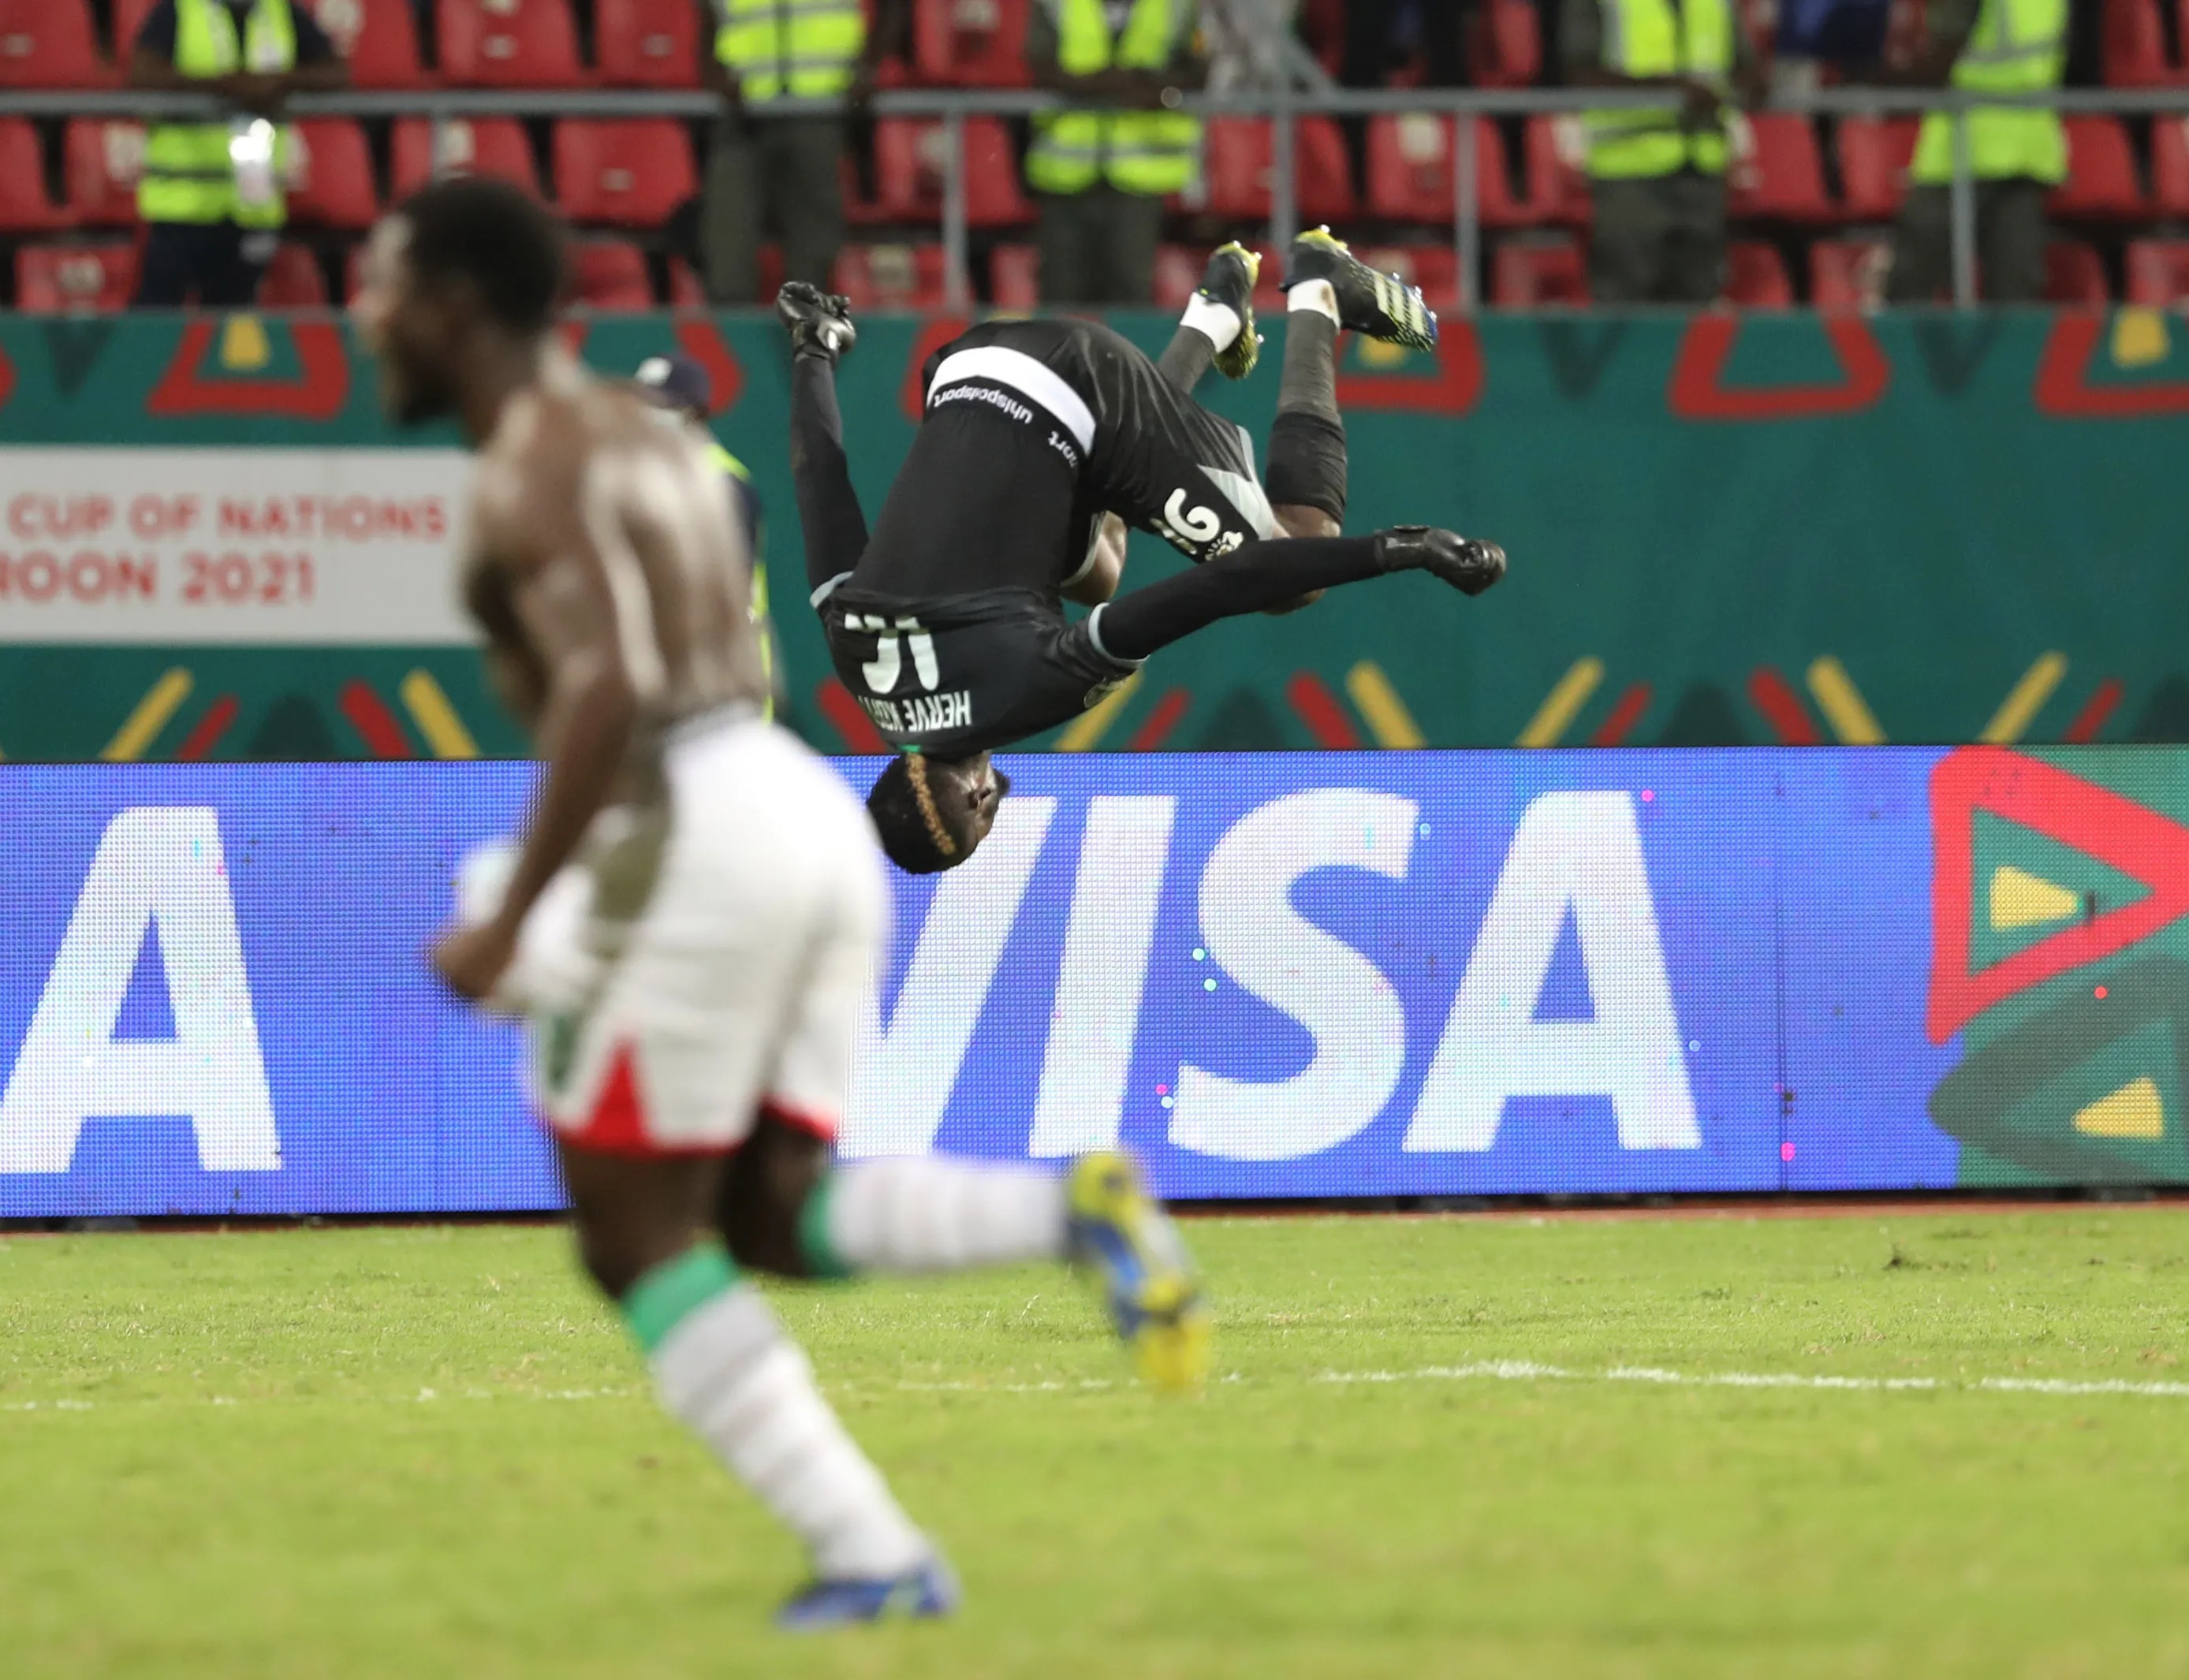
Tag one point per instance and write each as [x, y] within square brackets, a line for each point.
[822, 1260]
[655, 1305]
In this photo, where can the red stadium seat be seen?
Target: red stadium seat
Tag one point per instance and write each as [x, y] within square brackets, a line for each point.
[609, 274]
[101, 161]
[509, 43]
[1756, 276]
[891, 276]
[1557, 190]
[1410, 162]
[685, 291]
[970, 43]
[1781, 177]
[2133, 47]
[1526, 274]
[1874, 154]
[2101, 183]
[48, 43]
[1847, 274]
[25, 208]
[632, 172]
[2158, 272]
[2074, 273]
[647, 43]
[378, 38]
[332, 184]
[1015, 277]
[911, 159]
[2170, 166]
[1504, 43]
[55, 280]
[128, 21]
[1238, 155]
[294, 281]
[1433, 268]
[484, 145]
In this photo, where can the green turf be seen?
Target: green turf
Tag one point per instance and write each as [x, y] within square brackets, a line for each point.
[425, 1452]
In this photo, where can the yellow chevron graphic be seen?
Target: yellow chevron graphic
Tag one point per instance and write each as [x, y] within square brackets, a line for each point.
[437, 720]
[1568, 695]
[150, 717]
[1091, 726]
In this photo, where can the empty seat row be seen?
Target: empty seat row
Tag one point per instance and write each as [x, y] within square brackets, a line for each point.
[630, 173]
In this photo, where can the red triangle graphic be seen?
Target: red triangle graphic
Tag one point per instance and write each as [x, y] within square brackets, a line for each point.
[2153, 849]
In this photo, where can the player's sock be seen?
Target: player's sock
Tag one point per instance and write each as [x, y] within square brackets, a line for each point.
[920, 1214]
[1311, 298]
[724, 1366]
[1191, 351]
[1307, 441]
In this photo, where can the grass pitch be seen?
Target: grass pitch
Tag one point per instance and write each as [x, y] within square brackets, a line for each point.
[425, 1452]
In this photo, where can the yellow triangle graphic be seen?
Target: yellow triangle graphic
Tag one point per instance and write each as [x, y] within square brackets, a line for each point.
[2139, 337]
[2135, 1111]
[243, 346]
[2020, 899]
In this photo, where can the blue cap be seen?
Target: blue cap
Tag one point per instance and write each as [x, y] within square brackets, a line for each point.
[677, 382]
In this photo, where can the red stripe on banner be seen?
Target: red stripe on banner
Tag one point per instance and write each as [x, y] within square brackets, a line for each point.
[2095, 712]
[1624, 716]
[1160, 723]
[852, 723]
[382, 734]
[210, 728]
[1782, 708]
[1319, 709]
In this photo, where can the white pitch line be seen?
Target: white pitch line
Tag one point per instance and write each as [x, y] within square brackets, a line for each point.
[1495, 1371]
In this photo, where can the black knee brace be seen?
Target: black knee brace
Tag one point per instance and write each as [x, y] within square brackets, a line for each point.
[1307, 462]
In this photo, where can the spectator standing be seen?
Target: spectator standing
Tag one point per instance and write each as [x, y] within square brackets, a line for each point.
[211, 196]
[2017, 154]
[781, 168]
[1658, 172]
[1101, 168]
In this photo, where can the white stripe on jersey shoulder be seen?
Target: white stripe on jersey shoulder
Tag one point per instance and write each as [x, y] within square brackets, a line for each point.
[830, 587]
[1028, 377]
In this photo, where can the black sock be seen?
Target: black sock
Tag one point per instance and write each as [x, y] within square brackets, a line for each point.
[1188, 354]
[828, 507]
[1309, 382]
[1251, 578]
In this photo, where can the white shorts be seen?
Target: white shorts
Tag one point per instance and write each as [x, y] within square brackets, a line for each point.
[736, 987]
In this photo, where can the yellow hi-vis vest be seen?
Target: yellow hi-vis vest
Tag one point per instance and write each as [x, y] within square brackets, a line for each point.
[799, 50]
[2017, 46]
[1148, 152]
[206, 172]
[757, 609]
[1653, 37]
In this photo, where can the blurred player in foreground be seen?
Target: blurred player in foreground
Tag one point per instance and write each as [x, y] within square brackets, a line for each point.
[691, 922]
[1041, 442]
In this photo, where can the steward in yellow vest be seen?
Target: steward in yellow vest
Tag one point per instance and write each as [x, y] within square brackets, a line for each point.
[1659, 171]
[679, 388]
[768, 167]
[2016, 154]
[1103, 168]
[212, 195]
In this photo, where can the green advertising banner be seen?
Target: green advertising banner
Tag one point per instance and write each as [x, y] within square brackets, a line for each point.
[1724, 528]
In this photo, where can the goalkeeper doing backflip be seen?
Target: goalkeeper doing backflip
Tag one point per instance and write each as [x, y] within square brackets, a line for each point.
[1041, 441]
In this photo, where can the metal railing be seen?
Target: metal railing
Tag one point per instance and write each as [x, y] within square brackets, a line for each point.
[1284, 107]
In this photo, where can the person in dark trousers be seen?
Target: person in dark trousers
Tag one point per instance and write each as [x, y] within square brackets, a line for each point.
[788, 170]
[212, 195]
[1101, 168]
